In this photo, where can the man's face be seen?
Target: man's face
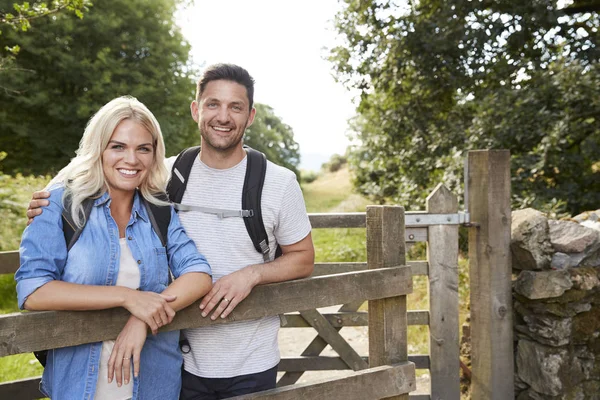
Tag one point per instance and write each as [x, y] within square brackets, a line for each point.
[223, 114]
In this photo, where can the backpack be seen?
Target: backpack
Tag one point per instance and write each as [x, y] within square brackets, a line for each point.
[160, 218]
[251, 211]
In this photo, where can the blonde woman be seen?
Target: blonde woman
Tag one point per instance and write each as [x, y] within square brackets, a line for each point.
[117, 261]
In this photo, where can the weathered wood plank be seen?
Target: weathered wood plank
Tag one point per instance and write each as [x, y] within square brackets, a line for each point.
[386, 247]
[417, 268]
[442, 254]
[26, 332]
[22, 389]
[357, 318]
[334, 339]
[314, 348]
[373, 383]
[490, 275]
[325, 363]
[337, 220]
[9, 262]
[27, 389]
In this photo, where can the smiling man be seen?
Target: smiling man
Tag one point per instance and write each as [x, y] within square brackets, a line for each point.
[241, 357]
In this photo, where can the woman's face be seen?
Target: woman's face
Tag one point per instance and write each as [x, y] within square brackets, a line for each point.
[127, 159]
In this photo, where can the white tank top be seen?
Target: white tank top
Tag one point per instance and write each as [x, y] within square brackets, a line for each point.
[129, 276]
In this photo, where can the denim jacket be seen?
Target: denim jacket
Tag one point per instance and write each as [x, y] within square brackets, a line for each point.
[72, 372]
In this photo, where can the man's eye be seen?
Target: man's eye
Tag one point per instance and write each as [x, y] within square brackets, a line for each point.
[211, 105]
[237, 108]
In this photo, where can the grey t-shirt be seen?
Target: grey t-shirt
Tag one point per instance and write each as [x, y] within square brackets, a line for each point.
[243, 347]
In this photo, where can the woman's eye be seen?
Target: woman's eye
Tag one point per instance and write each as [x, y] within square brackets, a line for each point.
[117, 147]
[145, 149]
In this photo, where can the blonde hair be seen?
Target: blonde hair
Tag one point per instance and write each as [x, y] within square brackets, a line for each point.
[84, 178]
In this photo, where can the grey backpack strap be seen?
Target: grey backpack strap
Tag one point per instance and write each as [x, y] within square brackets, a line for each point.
[219, 212]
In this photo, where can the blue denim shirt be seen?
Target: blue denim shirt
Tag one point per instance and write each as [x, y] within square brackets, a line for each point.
[72, 372]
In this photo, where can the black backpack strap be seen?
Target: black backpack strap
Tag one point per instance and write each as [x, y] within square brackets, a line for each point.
[180, 173]
[256, 170]
[70, 230]
[160, 217]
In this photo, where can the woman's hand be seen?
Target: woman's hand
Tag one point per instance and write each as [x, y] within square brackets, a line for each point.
[128, 347]
[150, 307]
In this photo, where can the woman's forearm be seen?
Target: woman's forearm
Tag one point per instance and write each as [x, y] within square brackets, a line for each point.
[188, 288]
[61, 296]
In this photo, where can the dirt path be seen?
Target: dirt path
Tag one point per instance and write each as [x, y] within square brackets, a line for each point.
[293, 341]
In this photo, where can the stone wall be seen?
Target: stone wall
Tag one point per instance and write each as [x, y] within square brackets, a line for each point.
[557, 306]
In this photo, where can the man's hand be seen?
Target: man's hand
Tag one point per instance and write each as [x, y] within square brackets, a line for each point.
[127, 349]
[228, 292]
[38, 200]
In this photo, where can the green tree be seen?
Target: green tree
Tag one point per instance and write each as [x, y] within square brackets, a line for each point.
[273, 137]
[69, 67]
[439, 78]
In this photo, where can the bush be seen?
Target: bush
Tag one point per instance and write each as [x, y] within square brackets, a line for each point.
[336, 162]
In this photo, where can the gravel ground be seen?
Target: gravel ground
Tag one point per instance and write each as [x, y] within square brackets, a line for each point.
[293, 341]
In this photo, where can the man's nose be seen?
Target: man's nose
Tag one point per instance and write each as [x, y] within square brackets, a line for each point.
[223, 115]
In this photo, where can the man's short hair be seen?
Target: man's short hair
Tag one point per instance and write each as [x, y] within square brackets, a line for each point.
[228, 72]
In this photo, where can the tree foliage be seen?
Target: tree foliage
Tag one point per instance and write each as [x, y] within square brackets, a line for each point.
[270, 135]
[439, 78]
[21, 15]
[69, 67]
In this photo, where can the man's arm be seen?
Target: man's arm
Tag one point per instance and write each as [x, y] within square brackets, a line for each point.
[297, 261]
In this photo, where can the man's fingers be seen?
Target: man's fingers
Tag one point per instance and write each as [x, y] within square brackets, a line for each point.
[232, 304]
[210, 301]
[33, 212]
[41, 194]
[222, 305]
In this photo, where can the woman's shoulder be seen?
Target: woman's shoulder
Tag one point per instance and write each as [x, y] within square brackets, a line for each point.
[56, 193]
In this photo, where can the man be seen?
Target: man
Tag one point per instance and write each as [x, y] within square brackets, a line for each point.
[241, 357]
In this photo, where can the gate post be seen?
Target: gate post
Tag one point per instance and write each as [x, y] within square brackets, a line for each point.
[442, 255]
[492, 358]
[387, 317]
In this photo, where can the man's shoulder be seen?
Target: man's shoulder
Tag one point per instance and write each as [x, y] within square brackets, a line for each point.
[279, 172]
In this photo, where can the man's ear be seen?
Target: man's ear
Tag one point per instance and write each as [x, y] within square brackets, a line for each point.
[251, 117]
[194, 110]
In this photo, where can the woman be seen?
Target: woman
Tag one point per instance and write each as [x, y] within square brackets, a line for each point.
[117, 261]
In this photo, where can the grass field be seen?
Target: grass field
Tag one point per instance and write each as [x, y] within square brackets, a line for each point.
[331, 192]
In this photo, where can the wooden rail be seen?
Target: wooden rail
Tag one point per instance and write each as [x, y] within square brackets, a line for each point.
[54, 329]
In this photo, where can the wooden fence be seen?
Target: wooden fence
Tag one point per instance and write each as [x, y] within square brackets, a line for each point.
[382, 280]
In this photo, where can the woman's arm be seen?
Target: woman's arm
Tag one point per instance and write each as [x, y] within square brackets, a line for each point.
[152, 308]
[128, 346]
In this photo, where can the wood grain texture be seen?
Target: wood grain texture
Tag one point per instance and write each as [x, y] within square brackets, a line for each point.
[490, 275]
[442, 254]
[9, 262]
[387, 318]
[417, 267]
[22, 389]
[334, 339]
[373, 383]
[356, 318]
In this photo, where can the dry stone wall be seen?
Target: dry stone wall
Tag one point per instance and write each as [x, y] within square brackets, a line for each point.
[557, 306]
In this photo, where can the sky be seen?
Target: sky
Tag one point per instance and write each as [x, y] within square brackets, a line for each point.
[282, 44]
